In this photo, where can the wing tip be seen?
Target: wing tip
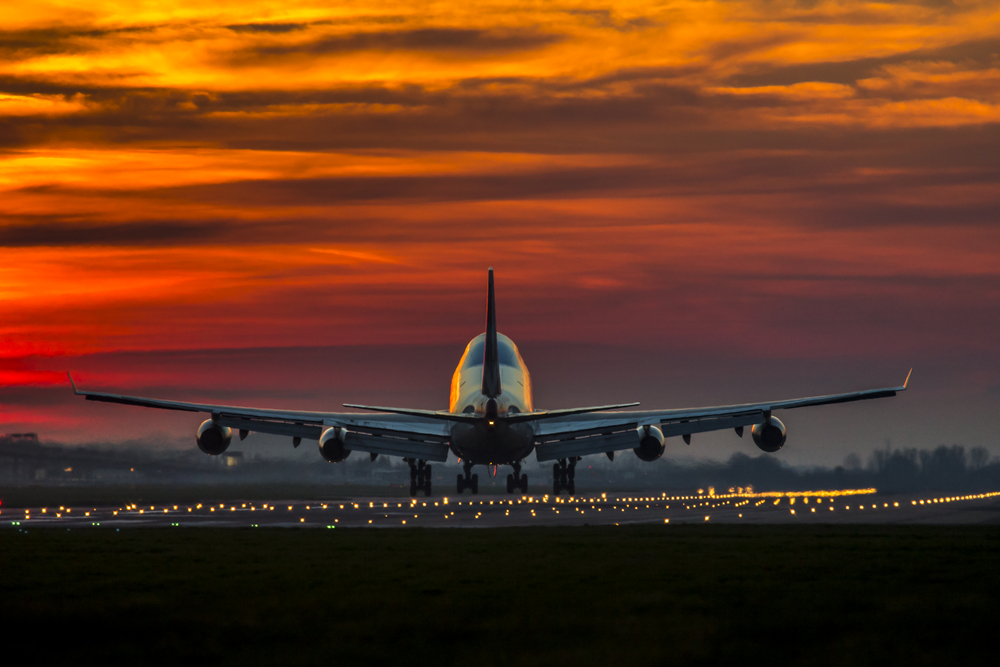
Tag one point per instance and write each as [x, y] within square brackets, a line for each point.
[72, 384]
[907, 380]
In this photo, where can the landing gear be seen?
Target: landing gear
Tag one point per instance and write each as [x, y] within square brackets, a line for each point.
[420, 477]
[517, 480]
[563, 474]
[468, 480]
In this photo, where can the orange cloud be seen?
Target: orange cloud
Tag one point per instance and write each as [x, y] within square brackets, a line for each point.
[769, 179]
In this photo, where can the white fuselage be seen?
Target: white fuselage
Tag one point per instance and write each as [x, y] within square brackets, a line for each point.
[503, 443]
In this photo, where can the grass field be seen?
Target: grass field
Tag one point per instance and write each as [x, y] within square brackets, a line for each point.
[637, 595]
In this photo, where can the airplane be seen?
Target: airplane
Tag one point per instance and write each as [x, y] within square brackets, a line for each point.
[491, 420]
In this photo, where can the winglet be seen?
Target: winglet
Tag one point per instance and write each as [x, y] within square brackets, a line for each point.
[72, 384]
[907, 380]
[491, 355]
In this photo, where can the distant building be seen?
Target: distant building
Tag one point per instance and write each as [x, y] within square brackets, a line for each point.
[230, 459]
[19, 439]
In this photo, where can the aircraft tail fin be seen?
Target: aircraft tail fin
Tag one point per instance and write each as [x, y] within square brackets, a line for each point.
[491, 355]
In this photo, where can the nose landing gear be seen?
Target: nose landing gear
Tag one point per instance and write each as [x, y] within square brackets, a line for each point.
[420, 477]
[517, 480]
[563, 474]
[468, 481]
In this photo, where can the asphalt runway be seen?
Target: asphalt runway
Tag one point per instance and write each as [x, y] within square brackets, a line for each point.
[819, 507]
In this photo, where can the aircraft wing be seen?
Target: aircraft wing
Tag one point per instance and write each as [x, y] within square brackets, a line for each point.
[602, 432]
[406, 435]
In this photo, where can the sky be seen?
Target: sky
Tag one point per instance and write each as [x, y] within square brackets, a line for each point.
[686, 203]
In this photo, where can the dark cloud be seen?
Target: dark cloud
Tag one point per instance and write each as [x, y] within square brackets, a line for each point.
[974, 55]
[605, 18]
[431, 40]
[137, 233]
[21, 44]
[273, 28]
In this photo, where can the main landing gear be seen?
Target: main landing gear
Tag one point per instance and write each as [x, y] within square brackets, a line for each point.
[468, 481]
[420, 477]
[517, 480]
[563, 474]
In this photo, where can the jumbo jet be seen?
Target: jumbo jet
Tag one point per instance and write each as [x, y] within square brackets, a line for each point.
[491, 421]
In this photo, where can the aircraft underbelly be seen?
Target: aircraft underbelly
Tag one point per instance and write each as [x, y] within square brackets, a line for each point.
[504, 444]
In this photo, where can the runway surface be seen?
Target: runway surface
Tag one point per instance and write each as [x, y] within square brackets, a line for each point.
[789, 508]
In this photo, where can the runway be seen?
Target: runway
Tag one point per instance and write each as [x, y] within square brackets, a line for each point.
[788, 508]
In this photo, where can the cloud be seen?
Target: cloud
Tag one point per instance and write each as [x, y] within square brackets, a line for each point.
[272, 28]
[426, 41]
[804, 184]
[41, 105]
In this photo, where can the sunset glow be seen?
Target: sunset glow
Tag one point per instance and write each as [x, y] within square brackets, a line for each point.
[778, 180]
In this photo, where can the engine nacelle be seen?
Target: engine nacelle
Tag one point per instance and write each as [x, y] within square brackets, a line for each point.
[331, 445]
[651, 443]
[769, 436]
[214, 439]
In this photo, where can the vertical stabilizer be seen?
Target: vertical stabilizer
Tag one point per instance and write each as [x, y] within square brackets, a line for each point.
[491, 355]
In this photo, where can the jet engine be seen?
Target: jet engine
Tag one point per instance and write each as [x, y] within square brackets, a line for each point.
[331, 445]
[214, 439]
[651, 443]
[769, 436]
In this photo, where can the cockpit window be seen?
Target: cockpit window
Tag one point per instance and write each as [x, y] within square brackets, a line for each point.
[475, 355]
[508, 355]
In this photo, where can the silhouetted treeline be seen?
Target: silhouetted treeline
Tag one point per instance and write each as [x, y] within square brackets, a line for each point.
[946, 468]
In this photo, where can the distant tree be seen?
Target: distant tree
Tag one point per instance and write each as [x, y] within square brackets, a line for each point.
[978, 458]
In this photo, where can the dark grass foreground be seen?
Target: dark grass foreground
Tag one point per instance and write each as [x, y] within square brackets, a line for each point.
[646, 595]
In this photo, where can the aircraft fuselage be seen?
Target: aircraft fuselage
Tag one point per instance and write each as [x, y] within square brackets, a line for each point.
[500, 443]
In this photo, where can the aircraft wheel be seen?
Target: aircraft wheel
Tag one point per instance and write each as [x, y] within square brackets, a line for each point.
[475, 484]
[555, 488]
[413, 487]
[572, 487]
[427, 489]
[524, 484]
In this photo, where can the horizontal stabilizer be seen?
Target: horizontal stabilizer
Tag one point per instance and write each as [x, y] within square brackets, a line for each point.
[427, 414]
[551, 414]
